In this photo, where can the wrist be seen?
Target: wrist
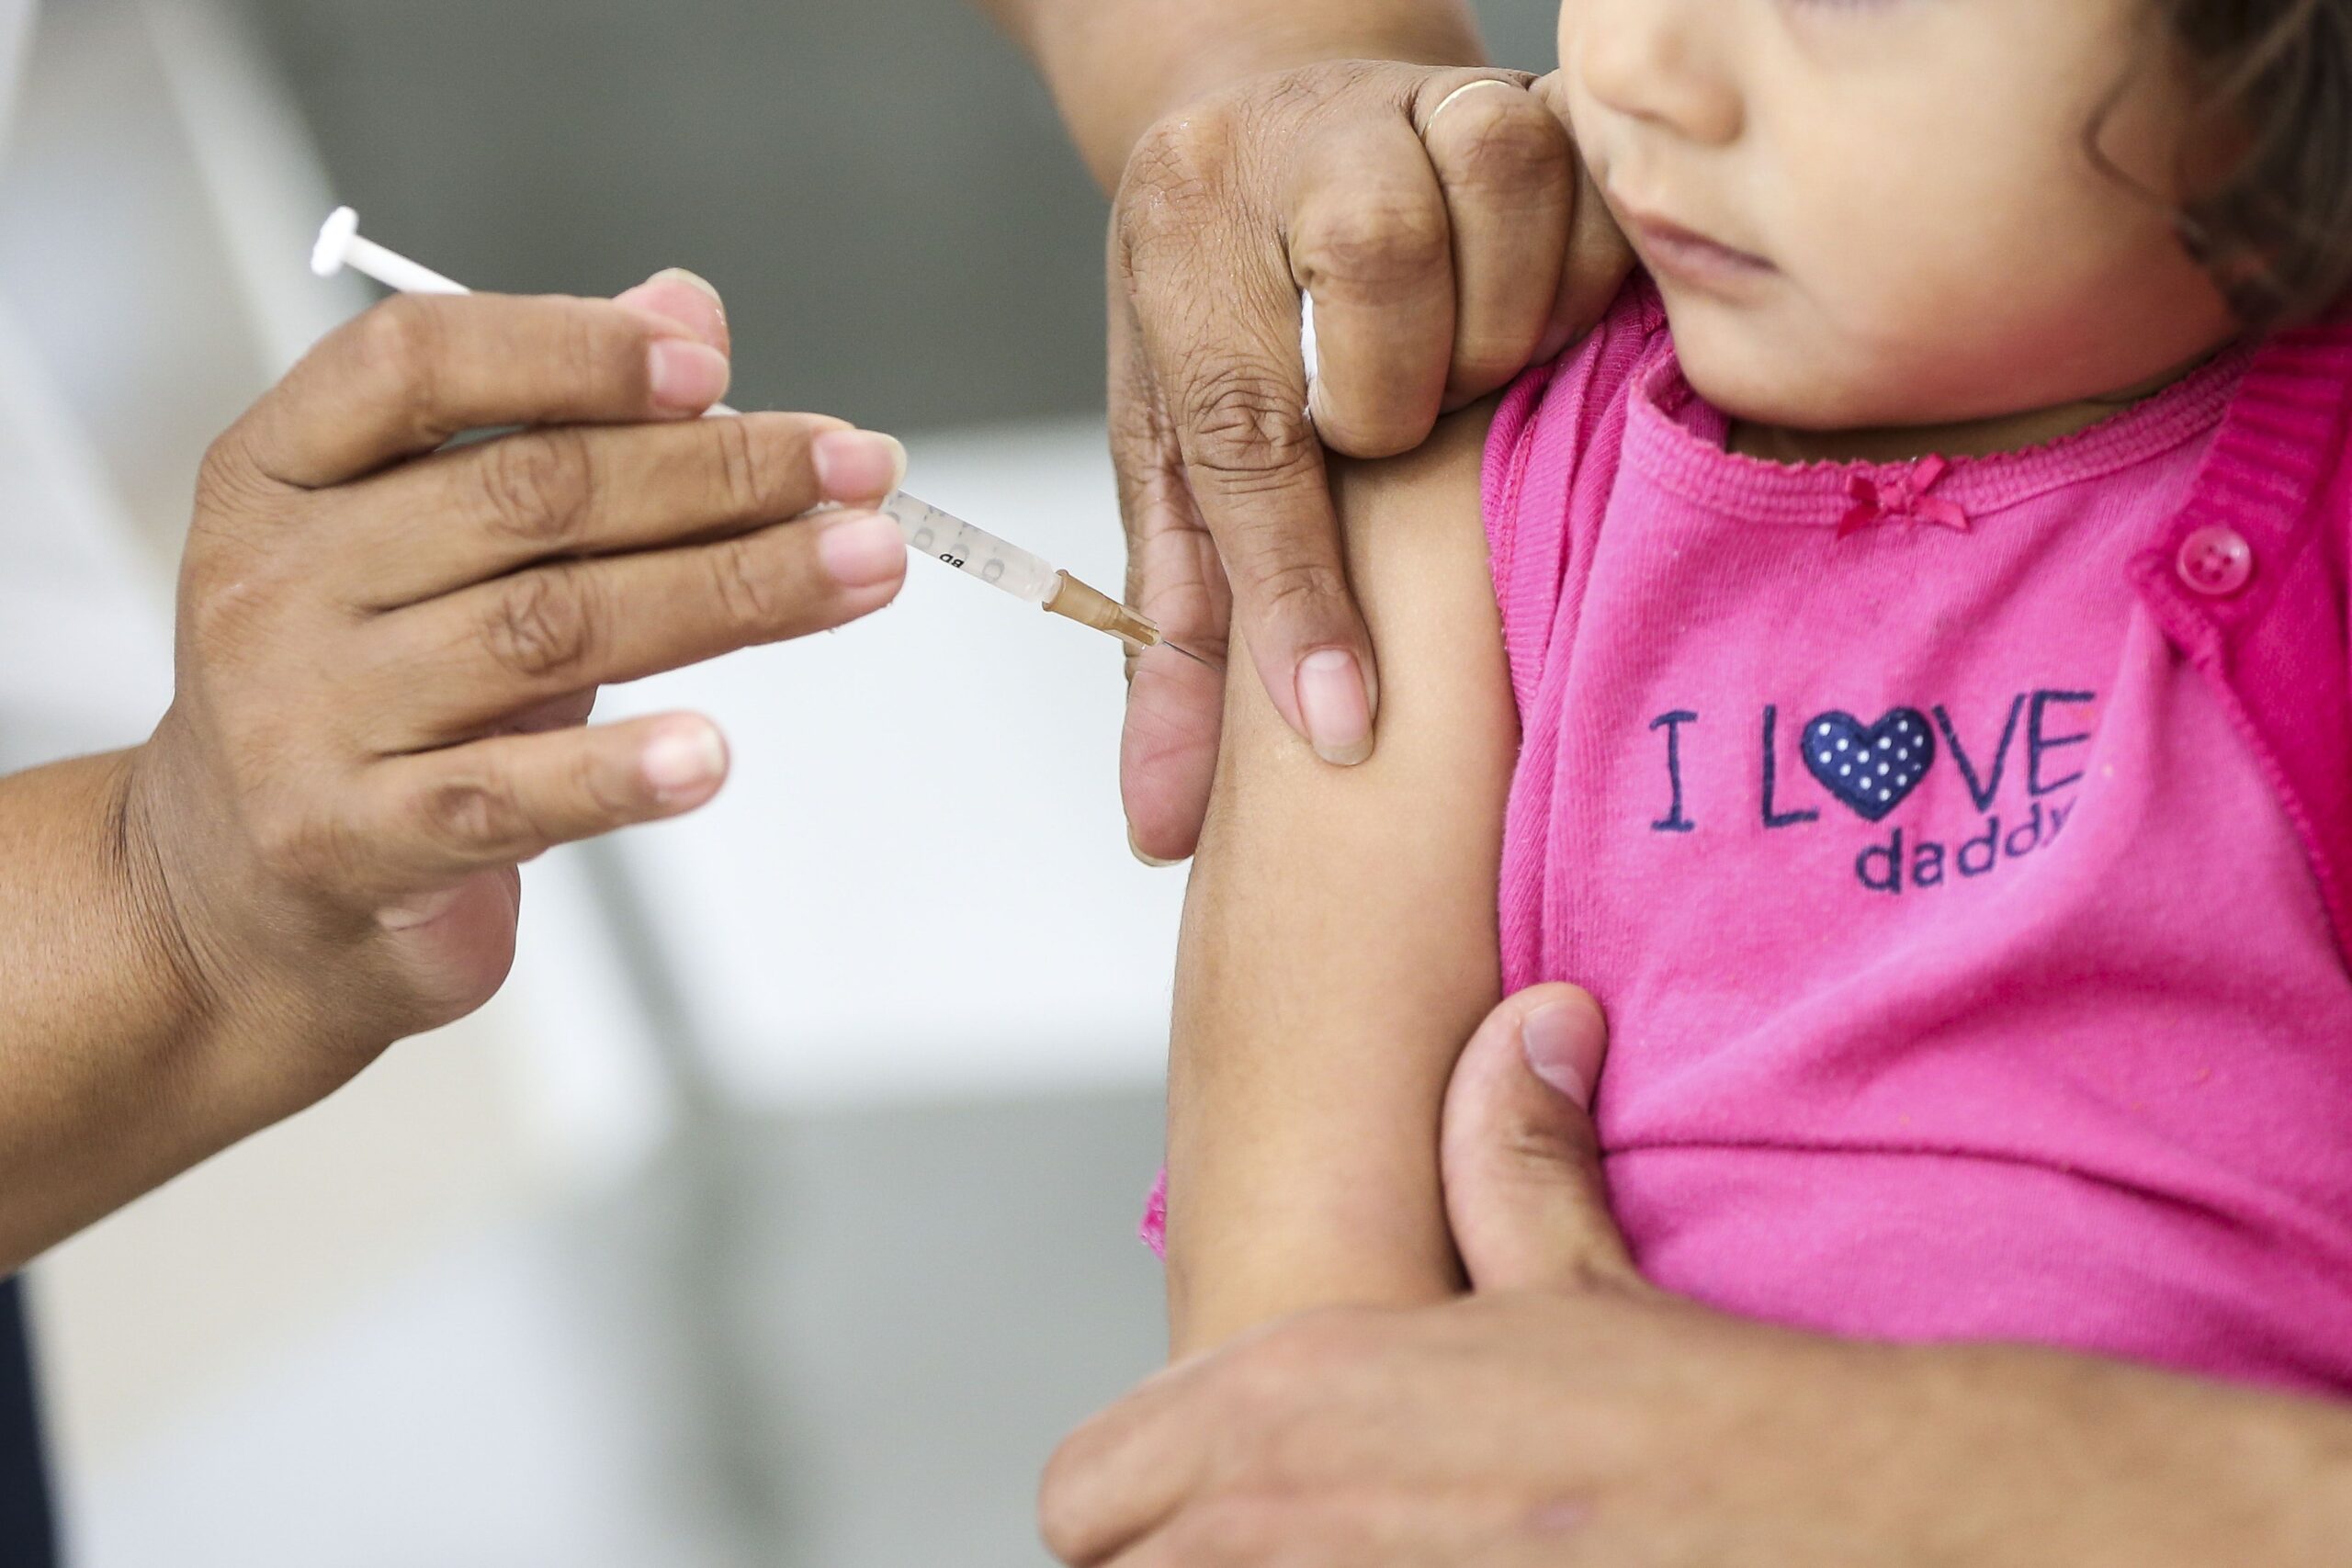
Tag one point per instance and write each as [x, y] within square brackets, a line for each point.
[153, 924]
[123, 1073]
[252, 1039]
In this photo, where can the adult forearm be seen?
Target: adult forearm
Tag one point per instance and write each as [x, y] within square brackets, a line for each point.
[108, 1059]
[2015, 1457]
[1116, 66]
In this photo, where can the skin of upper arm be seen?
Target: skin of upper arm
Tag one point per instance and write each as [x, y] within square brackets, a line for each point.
[1340, 936]
[1116, 66]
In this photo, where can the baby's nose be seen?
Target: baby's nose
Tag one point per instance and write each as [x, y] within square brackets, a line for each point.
[1667, 62]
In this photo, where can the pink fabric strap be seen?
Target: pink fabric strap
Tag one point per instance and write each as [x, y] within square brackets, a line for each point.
[2279, 652]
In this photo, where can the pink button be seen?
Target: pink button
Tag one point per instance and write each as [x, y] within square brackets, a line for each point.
[2216, 562]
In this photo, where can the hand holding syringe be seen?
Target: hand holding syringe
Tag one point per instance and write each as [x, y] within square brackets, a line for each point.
[929, 531]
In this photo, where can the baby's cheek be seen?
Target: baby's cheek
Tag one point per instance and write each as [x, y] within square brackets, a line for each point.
[1845, 345]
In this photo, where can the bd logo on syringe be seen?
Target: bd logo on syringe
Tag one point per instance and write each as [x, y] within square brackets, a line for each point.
[927, 543]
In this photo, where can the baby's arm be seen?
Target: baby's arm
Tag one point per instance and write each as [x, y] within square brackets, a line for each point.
[1340, 941]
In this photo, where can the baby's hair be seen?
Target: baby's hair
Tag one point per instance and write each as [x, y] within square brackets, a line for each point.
[2276, 231]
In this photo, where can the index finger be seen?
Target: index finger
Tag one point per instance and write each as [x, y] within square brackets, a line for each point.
[1227, 358]
[538, 495]
[413, 371]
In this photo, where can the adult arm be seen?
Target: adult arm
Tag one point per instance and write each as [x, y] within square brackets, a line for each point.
[1567, 1415]
[1340, 939]
[387, 656]
[1116, 66]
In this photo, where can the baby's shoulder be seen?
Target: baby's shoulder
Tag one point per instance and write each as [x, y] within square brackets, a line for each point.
[2281, 464]
[1597, 371]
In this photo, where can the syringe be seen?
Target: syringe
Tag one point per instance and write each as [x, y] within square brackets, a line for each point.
[929, 531]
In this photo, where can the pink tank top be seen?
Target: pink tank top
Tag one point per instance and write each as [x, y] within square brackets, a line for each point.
[1967, 977]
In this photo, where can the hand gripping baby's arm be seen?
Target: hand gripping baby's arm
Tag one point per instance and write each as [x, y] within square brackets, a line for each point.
[1340, 942]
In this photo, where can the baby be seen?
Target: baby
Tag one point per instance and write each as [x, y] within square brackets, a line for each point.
[1903, 673]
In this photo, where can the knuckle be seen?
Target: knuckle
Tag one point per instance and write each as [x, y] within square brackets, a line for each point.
[744, 581]
[1482, 364]
[1179, 170]
[1501, 143]
[601, 788]
[1595, 1274]
[1244, 424]
[473, 815]
[539, 625]
[1187, 151]
[1373, 244]
[1297, 585]
[748, 478]
[1528, 1144]
[613, 791]
[591, 353]
[538, 486]
[399, 346]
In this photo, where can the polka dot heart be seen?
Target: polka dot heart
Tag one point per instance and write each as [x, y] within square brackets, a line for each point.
[1872, 768]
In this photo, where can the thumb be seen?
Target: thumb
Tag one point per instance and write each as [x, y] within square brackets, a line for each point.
[1599, 258]
[1522, 1164]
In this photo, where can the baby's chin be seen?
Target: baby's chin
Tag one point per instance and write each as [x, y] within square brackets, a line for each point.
[1789, 397]
[1779, 388]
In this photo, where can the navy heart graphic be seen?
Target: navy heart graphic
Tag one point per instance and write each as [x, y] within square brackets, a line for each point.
[1872, 768]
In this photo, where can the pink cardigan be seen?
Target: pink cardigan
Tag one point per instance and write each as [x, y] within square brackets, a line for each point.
[2277, 647]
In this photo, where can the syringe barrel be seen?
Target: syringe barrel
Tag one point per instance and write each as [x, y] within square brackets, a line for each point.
[976, 552]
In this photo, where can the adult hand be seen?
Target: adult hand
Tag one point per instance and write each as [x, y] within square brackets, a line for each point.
[1448, 238]
[1566, 1414]
[389, 649]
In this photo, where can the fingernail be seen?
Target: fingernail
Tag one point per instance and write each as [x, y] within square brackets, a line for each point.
[1337, 708]
[859, 465]
[1561, 1047]
[1152, 861]
[692, 280]
[687, 376]
[684, 762]
[860, 552]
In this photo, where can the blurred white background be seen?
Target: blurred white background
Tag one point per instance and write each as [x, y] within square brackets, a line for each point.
[781, 1210]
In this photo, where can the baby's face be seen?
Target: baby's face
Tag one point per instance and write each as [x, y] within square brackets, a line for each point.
[1868, 213]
